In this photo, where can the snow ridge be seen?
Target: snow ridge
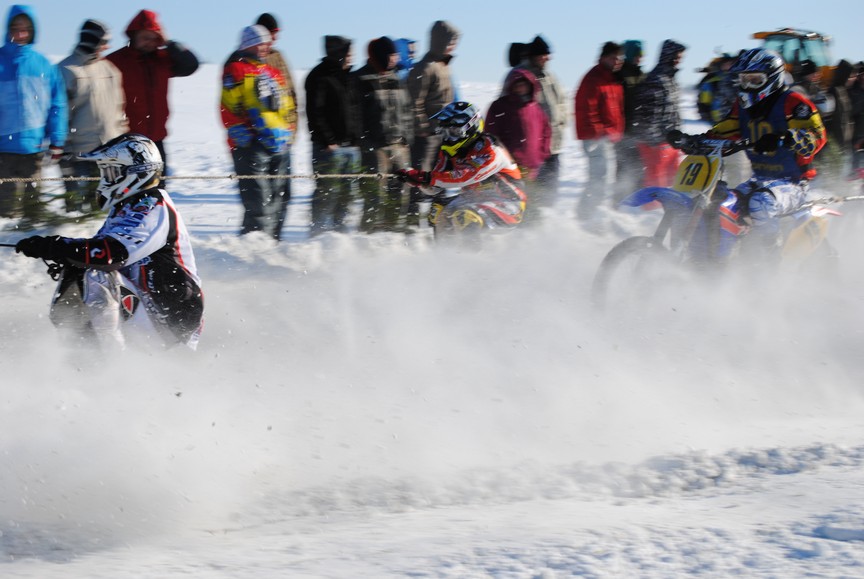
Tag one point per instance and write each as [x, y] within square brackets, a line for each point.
[659, 477]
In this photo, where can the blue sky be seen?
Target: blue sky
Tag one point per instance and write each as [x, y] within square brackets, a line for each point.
[575, 29]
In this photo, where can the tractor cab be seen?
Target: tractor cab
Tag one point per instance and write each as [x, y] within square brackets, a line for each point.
[796, 46]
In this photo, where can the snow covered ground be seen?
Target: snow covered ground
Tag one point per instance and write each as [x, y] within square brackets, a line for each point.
[374, 406]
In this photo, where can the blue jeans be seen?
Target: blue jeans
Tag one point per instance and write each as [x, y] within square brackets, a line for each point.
[602, 171]
[332, 197]
[262, 199]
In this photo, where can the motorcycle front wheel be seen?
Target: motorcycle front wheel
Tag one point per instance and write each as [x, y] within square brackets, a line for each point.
[630, 273]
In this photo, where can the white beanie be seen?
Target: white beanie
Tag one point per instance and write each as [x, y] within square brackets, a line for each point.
[253, 36]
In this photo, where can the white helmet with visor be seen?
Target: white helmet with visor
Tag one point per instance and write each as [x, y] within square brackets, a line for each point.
[127, 164]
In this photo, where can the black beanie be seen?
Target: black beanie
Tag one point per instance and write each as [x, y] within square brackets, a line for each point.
[336, 47]
[380, 50]
[517, 53]
[610, 48]
[268, 21]
[539, 47]
[93, 35]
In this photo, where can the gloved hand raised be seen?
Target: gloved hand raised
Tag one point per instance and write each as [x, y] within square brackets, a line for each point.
[413, 176]
[676, 138]
[770, 142]
[39, 247]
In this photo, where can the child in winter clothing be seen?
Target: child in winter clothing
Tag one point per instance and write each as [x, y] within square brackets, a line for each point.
[518, 120]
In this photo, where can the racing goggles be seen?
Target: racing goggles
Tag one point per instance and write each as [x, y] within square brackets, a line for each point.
[453, 133]
[752, 80]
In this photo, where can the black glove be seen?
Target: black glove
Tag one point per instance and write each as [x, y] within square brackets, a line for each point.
[769, 142]
[676, 138]
[39, 247]
[413, 176]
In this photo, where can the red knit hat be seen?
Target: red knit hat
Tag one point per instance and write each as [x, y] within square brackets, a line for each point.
[145, 20]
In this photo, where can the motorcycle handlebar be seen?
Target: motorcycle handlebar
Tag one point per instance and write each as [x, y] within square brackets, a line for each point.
[702, 145]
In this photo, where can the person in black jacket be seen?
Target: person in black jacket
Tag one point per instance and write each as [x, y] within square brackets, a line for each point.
[656, 113]
[629, 168]
[386, 128]
[331, 111]
[841, 125]
[856, 97]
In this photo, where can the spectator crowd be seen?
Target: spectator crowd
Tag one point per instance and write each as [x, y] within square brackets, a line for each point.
[378, 118]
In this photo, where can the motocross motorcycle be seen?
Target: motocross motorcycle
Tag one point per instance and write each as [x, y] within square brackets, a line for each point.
[461, 216]
[703, 229]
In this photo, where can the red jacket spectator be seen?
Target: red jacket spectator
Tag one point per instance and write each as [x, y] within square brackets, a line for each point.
[518, 120]
[147, 62]
[600, 106]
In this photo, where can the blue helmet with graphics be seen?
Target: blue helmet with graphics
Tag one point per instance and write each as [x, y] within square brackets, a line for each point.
[459, 124]
[758, 73]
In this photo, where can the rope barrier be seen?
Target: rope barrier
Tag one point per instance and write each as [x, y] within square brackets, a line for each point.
[230, 177]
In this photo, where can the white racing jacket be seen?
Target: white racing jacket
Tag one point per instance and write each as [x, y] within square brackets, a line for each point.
[146, 242]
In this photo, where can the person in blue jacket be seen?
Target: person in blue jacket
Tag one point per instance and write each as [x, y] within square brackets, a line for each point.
[406, 49]
[33, 116]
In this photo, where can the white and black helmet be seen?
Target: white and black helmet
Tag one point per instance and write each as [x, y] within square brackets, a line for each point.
[758, 73]
[127, 164]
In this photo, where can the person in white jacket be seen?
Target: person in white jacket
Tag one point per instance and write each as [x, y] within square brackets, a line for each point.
[138, 271]
[94, 88]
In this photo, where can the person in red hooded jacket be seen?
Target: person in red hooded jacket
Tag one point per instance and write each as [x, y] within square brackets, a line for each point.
[599, 105]
[147, 62]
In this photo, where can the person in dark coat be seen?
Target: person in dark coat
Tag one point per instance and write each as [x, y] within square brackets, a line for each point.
[656, 114]
[331, 111]
[856, 96]
[385, 135]
[629, 167]
[841, 125]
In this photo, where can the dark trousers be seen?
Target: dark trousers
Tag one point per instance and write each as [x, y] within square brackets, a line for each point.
[283, 195]
[80, 195]
[547, 179]
[383, 198]
[262, 198]
[629, 169]
[332, 197]
[21, 199]
[424, 151]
